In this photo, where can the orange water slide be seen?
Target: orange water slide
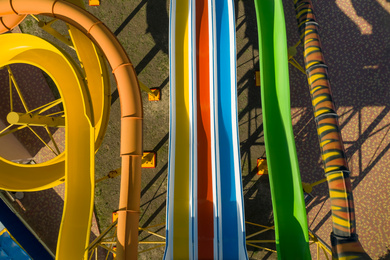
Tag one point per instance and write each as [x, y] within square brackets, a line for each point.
[8, 22]
[205, 182]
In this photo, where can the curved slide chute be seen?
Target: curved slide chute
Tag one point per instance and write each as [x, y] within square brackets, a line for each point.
[205, 217]
[79, 136]
[291, 229]
[51, 173]
[80, 132]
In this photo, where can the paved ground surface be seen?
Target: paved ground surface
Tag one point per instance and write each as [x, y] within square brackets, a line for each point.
[355, 38]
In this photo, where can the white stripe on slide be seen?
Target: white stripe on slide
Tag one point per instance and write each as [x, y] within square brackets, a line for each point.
[212, 64]
[172, 135]
[237, 167]
[215, 131]
[193, 245]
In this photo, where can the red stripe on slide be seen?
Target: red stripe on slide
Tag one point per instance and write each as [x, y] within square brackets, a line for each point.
[205, 188]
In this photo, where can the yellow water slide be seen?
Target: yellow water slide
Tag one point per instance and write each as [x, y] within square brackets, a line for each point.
[86, 113]
[79, 135]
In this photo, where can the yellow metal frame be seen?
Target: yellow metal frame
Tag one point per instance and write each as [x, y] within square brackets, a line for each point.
[46, 26]
[110, 175]
[313, 239]
[308, 187]
[32, 117]
[321, 247]
[150, 92]
[254, 243]
[292, 51]
[107, 240]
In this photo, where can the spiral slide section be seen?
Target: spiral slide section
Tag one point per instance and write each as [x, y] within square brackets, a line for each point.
[291, 231]
[80, 124]
[78, 204]
[205, 217]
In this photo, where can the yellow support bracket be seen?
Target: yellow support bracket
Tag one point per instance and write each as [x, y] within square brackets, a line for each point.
[261, 247]
[253, 242]
[157, 225]
[150, 232]
[308, 187]
[151, 242]
[292, 51]
[109, 242]
[260, 241]
[46, 26]
[293, 62]
[107, 248]
[13, 80]
[262, 167]
[103, 234]
[156, 96]
[94, 2]
[35, 120]
[258, 225]
[110, 175]
[149, 159]
[154, 93]
[257, 78]
[259, 232]
[320, 245]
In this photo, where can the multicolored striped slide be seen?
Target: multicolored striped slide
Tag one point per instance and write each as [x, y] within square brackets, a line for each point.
[205, 216]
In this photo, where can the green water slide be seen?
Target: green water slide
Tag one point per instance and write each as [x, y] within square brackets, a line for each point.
[291, 231]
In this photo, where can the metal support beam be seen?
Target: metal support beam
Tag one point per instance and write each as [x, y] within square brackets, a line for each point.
[35, 120]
